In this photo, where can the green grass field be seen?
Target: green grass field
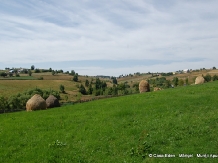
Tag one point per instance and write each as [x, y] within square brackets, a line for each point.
[175, 121]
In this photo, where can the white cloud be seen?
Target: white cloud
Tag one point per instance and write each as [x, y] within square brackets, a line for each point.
[109, 30]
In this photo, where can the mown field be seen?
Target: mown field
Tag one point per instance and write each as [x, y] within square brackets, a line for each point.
[10, 86]
[182, 120]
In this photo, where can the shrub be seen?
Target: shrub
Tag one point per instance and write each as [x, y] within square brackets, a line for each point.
[75, 78]
[215, 77]
[3, 104]
[180, 82]
[207, 78]
[3, 74]
[37, 71]
[62, 89]
[19, 101]
[30, 73]
[10, 74]
[82, 90]
[87, 83]
[90, 89]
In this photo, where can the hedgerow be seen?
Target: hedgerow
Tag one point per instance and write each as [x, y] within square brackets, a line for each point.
[18, 101]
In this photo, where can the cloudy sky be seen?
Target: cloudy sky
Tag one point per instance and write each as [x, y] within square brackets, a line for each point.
[101, 37]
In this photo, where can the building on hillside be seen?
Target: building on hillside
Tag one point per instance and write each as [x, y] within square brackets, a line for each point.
[186, 71]
[11, 71]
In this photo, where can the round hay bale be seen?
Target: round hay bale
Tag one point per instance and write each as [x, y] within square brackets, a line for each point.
[35, 103]
[157, 89]
[144, 86]
[199, 80]
[52, 102]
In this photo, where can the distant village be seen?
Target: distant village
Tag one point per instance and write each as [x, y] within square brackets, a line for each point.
[16, 71]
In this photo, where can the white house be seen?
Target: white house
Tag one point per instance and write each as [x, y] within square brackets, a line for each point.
[185, 70]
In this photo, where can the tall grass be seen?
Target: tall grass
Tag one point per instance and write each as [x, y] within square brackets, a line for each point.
[124, 129]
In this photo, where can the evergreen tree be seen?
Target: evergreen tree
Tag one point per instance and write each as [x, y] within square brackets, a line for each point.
[114, 80]
[32, 67]
[82, 89]
[72, 73]
[175, 81]
[90, 89]
[62, 88]
[87, 83]
[75, 78]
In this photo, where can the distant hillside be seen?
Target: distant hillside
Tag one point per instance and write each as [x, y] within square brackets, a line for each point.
[134, 128]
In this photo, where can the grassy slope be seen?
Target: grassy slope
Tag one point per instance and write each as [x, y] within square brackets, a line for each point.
[123, 129]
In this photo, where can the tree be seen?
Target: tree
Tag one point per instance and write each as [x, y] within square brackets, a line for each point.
[215, 77]
[53, 72]
[75, 78]
[50, 70]
[62, 88]
[136, 86]
[90, 89]
[115, 90]
[87, 83]
[207, 78]
[82, 89]
[180, 82]
[37, 71]
[114, 80]
[3, 104]
[214, 68]
[167, 84]
[3, 74]
[32, 67]
[186, 81]
[10, 74]
[175, 81]
[30, 73]
[72, 73]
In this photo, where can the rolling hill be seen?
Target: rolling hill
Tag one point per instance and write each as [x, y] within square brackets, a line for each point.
[134, 128]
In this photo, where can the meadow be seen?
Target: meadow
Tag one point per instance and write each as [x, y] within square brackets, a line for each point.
[175, 121]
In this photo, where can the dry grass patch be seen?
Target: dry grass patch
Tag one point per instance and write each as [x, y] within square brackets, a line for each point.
[12, 87]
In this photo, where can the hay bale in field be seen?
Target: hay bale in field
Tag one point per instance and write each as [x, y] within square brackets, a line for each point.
[144, 86]
[199, 80]
[52, 102]
[157, 89]
[35, 103]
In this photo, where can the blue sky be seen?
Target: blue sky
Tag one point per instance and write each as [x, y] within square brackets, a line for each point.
[109, 37]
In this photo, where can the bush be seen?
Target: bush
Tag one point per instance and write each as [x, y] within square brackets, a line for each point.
[180, 82]
[3, 74]
[40, 78]
[82, 90]
[215, 77]
[87, 83]
[30, 73]
[37, 71]
[207, 78]
[75, 78]
[19, 101]
[90, 89]
[3, 104]
[62, 89]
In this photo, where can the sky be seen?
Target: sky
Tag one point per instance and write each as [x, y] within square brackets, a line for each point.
[101, 37]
